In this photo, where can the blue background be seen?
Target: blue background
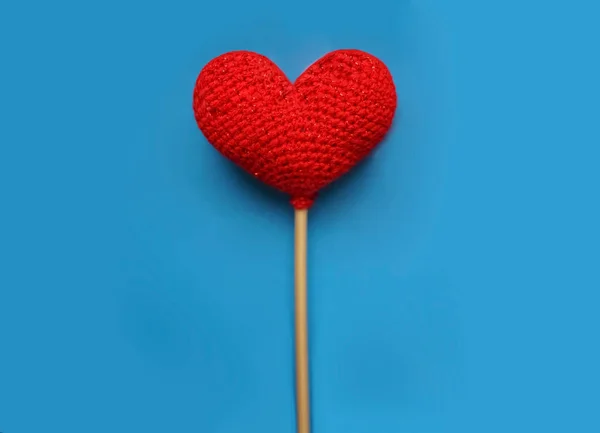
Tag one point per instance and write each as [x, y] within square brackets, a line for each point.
[146, 284]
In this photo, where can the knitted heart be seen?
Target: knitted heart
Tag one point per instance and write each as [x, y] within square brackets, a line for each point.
[295, 137]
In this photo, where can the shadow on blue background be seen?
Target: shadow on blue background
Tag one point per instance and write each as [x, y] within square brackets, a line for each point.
[146, 284]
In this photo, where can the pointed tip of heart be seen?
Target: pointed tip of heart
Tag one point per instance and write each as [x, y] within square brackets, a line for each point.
[302, 202]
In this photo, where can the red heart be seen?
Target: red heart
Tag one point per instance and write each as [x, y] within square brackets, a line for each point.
[295, 137]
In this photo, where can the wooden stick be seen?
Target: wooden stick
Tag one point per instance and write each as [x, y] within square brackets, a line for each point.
[302, 377]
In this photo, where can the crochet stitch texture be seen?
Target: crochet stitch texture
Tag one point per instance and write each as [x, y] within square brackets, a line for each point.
[297, 137]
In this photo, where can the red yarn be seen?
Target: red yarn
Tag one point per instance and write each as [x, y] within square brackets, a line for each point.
[295, 137]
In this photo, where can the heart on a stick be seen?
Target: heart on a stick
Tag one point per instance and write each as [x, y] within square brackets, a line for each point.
[297, 137]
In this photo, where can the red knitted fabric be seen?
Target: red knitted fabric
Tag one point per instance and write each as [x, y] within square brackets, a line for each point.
[295, 137]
